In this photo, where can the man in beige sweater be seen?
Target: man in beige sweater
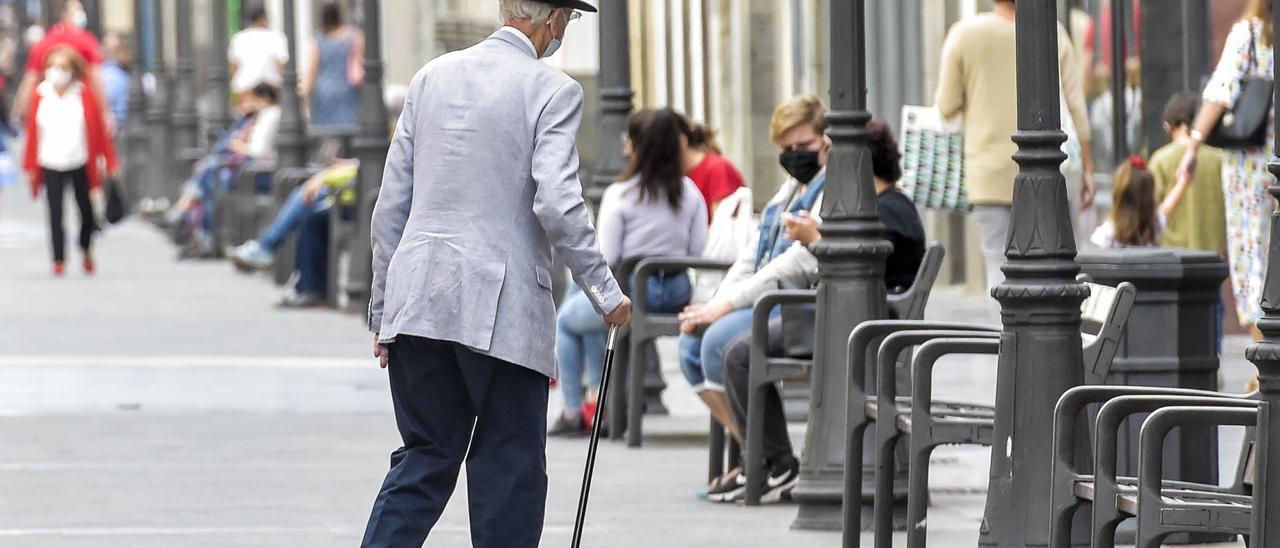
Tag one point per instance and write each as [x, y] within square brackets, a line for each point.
[978, 80]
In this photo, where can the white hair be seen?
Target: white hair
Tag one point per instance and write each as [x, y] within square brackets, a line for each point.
[524, 10]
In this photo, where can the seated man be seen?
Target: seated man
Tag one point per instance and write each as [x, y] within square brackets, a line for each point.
[902, 228]
[307, 210]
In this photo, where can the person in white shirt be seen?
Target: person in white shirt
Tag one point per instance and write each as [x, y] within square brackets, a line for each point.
[257, 55]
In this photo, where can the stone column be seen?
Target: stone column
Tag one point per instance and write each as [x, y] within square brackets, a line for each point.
[160, 177]
[136, 137]
[186, 113]
[1195, 43]
[219, 118]
[291, 143]
[1040, 350]
[371, 148]
[851, 257]
[615, 96]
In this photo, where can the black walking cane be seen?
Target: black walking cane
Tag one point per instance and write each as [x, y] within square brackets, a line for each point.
[595, 438]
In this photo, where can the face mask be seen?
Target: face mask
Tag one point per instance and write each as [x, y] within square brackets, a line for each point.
[58, 76]
[801, 164]
[81, 19]
[554, 46]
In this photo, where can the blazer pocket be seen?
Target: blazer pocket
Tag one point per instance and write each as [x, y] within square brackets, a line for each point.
[544, 277]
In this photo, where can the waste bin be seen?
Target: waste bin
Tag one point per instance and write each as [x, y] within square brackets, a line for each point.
[1170, 341]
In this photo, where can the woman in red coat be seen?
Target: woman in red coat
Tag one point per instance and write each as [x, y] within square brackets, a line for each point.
[67, 146]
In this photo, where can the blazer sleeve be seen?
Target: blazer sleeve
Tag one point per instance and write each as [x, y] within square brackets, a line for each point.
[558, 202]
[391, 211]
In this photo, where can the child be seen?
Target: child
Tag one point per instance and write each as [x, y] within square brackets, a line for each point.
[1136, 219]
[1200, 221]
[67, 146]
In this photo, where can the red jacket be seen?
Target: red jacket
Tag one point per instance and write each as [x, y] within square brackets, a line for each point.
[100, 144]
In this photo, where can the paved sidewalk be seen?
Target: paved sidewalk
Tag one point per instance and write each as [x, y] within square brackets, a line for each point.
[167, 404]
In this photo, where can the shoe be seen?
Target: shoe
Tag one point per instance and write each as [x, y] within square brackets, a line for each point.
[251, 255]
[588, 414]
[781, 480]
[302, 300]
[729, 487]
[89, 266]
[59, 268]
[568, 427]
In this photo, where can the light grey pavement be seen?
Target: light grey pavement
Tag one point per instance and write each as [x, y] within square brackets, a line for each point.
[168, 404]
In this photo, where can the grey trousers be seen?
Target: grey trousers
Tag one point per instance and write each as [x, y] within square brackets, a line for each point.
[994, 222]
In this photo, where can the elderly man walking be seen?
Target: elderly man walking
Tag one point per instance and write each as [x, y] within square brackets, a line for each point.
[481, 183]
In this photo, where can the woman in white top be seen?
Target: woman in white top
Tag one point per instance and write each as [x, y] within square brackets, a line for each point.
[68, 146]
[655, 210]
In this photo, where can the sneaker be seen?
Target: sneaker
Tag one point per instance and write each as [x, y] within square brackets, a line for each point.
[729, 487]
[302, 300]
[568, 427]
[781, 480]
[251, 255]
[89, 266]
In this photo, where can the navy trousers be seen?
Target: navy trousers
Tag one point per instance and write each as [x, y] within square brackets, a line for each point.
[448, 399]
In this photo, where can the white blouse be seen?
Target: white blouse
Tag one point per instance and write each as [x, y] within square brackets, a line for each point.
[62, 143]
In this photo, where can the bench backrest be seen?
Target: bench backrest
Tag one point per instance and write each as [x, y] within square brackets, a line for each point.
[1103, 316]
[910, 304]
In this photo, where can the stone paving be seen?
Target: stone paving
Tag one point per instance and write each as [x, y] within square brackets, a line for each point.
[166, 403]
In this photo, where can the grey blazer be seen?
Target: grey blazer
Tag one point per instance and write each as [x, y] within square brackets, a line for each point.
[481, 182]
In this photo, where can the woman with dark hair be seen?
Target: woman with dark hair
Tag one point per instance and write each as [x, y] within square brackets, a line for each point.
[715, 176]
[335, 71]
[654, 210]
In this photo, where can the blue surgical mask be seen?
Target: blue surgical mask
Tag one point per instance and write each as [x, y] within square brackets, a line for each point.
[81, 19]
[552, 48]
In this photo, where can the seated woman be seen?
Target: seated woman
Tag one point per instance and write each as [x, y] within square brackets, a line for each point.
[798, 130]
[253, 140]
[903, 228]
[654, 210]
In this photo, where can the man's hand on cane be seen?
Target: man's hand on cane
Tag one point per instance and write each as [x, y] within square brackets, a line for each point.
[621, 316]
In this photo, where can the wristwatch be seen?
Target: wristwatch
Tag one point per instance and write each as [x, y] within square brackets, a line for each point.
[1197, 136]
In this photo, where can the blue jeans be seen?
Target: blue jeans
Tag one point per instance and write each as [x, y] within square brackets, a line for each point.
[702, 357]
[213, 175]
[291, 216]
[581, 334]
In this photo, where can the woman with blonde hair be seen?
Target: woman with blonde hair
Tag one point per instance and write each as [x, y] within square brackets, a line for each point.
[1246, 56]
[68, 146]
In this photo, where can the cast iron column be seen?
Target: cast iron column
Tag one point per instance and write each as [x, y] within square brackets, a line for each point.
[371, 149]
[851, 257]
[1266, 356]
[292, 142]
[136, 138]
[186, 114]
[1195, 43]
[615, 96]
[160, 179]
[1040, 354]
[93, 8]
[22, 19]
[219, 118]
[1119, 82]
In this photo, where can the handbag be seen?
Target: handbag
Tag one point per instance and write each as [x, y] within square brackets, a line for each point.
[117, 208]
[1244, 125]
[932, 160]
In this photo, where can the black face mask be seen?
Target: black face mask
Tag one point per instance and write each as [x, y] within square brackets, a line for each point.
[801, 164]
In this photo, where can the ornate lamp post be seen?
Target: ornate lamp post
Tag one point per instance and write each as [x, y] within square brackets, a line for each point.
[219, 118]
[292, 141]
[136, 139]
[851, 258]
[1119, 81]
[93, 8]
[371, 149]
[1040, 354]
[615, 96]
[1266, 354]
[160, 176]
[186, 114]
